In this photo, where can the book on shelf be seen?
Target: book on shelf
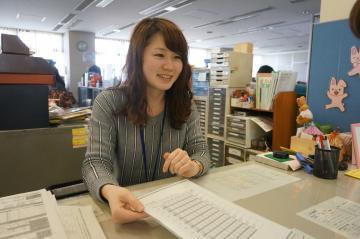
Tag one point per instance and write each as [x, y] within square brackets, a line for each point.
[268, 85]
[286, 81]
[267, 158]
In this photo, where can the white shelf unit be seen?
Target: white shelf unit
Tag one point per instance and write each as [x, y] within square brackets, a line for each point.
[241, 130]
[231, 69]
[235, 154]
[216, 150]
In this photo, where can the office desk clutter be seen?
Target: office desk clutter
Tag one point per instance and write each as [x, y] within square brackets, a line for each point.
[61, 98]
[36, 214]
[59, 115]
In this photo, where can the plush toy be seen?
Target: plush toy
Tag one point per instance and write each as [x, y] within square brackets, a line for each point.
[336, 94]
[305, 115]
[355, 61]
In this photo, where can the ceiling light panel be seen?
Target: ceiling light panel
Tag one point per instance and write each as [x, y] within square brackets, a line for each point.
[157, 7]
[57, 27]
[183, 3]
[84, 4]
[104, 3]
[68, 18]
[165, 4]
[208, 24]
[126, 26]
[252, 13]
[27, 17]
[158, 13]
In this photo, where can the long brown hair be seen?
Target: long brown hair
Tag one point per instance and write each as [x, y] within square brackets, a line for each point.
[354, 19]
[178, 97]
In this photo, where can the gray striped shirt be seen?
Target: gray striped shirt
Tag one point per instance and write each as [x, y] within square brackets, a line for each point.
[114, 154]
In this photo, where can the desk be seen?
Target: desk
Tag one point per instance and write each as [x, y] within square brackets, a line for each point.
[279, 205]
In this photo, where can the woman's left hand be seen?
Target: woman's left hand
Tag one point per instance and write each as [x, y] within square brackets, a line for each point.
[178, 162]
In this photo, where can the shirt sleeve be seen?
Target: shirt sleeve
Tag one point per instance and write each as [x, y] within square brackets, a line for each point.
[97, 168]
[195, 143]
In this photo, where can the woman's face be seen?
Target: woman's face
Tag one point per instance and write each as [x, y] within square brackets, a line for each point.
[161, 66]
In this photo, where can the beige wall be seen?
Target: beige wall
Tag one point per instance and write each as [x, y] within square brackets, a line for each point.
[332, 10]
[78, 62]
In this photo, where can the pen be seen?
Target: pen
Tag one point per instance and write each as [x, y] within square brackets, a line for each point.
[326, 143]
[320, 142]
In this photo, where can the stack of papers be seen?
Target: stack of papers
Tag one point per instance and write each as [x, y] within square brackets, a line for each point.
[36, 215]
[190, 211]
[72, 115]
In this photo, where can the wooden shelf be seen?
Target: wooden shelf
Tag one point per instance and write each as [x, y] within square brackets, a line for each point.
[284, 116]
[250, 109]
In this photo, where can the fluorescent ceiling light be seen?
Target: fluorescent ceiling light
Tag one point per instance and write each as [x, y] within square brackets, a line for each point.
[68, 18]
[104, 3]
[168, 5]
[29, 17]
[84, 4]
[170, 9]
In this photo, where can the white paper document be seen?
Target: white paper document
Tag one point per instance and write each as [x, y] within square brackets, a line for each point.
[190, 211]
[30, 215]
[297, 234]
[246, 181]
[80, 222]
[265, 123]
[336, 214]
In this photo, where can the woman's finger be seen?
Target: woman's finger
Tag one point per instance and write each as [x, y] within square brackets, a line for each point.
[123, 215]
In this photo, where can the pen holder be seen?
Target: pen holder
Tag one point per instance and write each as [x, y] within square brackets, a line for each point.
[326, 163]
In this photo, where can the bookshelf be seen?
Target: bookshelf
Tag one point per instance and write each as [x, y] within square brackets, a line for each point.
[283, 113]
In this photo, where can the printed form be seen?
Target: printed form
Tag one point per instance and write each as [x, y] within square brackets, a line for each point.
[190, 211]
[336, 214]
[80, 222]
[30, 215]
[246, 181]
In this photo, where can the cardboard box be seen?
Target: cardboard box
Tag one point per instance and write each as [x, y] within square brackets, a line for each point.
[304, 146]
[245, 47]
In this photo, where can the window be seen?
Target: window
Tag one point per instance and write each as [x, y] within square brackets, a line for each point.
[111, 57]
[197, 56]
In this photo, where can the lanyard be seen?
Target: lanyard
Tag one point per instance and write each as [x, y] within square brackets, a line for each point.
[142, 139]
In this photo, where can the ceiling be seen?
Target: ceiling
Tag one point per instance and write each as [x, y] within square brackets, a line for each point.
[273, 26]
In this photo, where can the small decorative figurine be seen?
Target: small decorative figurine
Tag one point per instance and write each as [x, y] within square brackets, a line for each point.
[355, 61]
[336, 94]
[305, 116]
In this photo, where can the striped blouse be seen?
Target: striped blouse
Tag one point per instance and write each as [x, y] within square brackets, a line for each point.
[114, 153]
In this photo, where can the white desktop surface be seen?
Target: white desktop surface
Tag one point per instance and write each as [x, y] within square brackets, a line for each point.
[279, 205]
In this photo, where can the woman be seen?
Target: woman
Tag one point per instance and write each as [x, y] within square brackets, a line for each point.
[354, 19]
[147, 128]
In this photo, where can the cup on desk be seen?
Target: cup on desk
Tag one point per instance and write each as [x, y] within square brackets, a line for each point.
[326, 163]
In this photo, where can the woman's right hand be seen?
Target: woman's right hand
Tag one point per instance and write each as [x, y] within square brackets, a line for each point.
[124, 206]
